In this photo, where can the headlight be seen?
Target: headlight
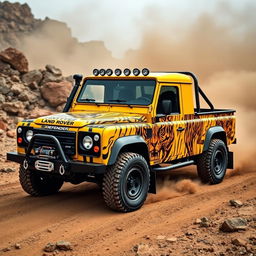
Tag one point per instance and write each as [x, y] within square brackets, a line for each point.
[87, 142]
[29, 135]
[19, 130]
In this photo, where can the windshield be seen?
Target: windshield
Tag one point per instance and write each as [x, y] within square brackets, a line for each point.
[131, 92]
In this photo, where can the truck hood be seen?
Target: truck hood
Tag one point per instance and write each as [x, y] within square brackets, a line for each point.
[80, 119]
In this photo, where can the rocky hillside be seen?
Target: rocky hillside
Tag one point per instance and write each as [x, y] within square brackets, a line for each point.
[48, 41]
[28, 94]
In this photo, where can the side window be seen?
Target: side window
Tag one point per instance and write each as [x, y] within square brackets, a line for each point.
[169, 93]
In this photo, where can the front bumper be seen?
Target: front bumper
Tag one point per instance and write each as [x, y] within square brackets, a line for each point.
[70, 166]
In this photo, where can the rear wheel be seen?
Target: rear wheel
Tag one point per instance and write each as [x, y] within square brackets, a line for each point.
[126, 183]
[212, 164]
[36, 184]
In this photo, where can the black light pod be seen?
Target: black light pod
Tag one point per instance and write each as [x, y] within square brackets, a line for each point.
[109, 72]
[96, 72]
[102, 72]
[127, 72]
[136, 71]
[118, 72]
[145, 71]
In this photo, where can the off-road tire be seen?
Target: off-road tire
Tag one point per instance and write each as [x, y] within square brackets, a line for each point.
[36, 184]
[212, 164]
[126, 183]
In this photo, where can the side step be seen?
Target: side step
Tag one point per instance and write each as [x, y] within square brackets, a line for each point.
[174, 166]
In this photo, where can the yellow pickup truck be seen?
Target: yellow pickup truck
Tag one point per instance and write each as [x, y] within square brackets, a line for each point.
[119, 129]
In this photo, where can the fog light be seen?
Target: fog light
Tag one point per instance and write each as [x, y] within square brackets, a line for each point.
[127, 72]
[118, 72]
[96, 137]
[145, 71]
[96, 149]
[19, 130]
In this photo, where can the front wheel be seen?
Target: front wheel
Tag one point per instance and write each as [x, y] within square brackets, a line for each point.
[212, 164]
[36, 184]
[126, 183]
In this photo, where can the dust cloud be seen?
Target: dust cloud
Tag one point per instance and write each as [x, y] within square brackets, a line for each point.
[171, 189]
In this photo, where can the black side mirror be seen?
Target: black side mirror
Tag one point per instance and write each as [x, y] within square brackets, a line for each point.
[167, 107]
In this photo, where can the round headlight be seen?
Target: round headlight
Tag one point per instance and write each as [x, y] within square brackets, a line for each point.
[87, 142]
[19, 130]
[29, 135]
[136, 71]
[109, 72]
[102, 72]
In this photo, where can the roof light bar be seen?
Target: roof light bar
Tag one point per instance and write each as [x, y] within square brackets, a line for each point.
[118, 72]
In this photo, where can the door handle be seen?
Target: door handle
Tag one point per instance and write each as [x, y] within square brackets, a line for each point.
[180, 129]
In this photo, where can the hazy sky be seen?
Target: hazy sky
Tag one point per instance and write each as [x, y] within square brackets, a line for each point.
[119, 23]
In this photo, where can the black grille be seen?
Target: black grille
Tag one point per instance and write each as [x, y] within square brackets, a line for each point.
[66, 139]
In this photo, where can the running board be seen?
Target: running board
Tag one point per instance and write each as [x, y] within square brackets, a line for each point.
[174, 166]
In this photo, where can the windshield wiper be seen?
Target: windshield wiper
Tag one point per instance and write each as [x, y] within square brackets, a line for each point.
[120, 101]
[91, 100]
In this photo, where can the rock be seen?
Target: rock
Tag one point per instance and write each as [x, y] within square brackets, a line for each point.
[236, 203]
[143, 250]
[50, 77]
[160, 237]
[15, 58]
[17, 246]
[171, 239]
[7, 249]
[4, 88]
[205, 222]
[17, 89]
[50, 247]
[56, 93]
[12, 108]
[2, 98]
[34, 76]
[7, 170]
[55, 71]
[64, 245]
[1, 132]
[11, 133]
[233, 224]
[238, 242]
[3, 125]
[197, 221]
[119, 229]
[49, 230]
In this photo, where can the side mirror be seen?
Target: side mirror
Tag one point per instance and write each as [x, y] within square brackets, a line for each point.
[167, 107]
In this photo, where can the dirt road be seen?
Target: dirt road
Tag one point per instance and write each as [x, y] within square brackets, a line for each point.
[78, 215]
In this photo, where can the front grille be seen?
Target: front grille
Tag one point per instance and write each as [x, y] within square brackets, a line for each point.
[66, 139]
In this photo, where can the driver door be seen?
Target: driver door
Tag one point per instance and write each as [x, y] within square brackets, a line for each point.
[167, 141]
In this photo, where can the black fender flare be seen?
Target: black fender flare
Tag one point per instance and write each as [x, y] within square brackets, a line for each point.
[122, 142]
[212, 132]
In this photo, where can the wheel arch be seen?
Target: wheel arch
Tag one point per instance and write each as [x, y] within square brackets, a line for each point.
[216, 132]
[134, 143]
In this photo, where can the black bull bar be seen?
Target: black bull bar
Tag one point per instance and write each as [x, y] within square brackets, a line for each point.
[63, 165]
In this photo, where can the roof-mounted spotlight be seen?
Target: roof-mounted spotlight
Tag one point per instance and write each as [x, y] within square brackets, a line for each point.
[109, 72]
[127, 72]
[118, 72]
[136, 71]
[102, 72]
[145, 72]
[96, 72]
